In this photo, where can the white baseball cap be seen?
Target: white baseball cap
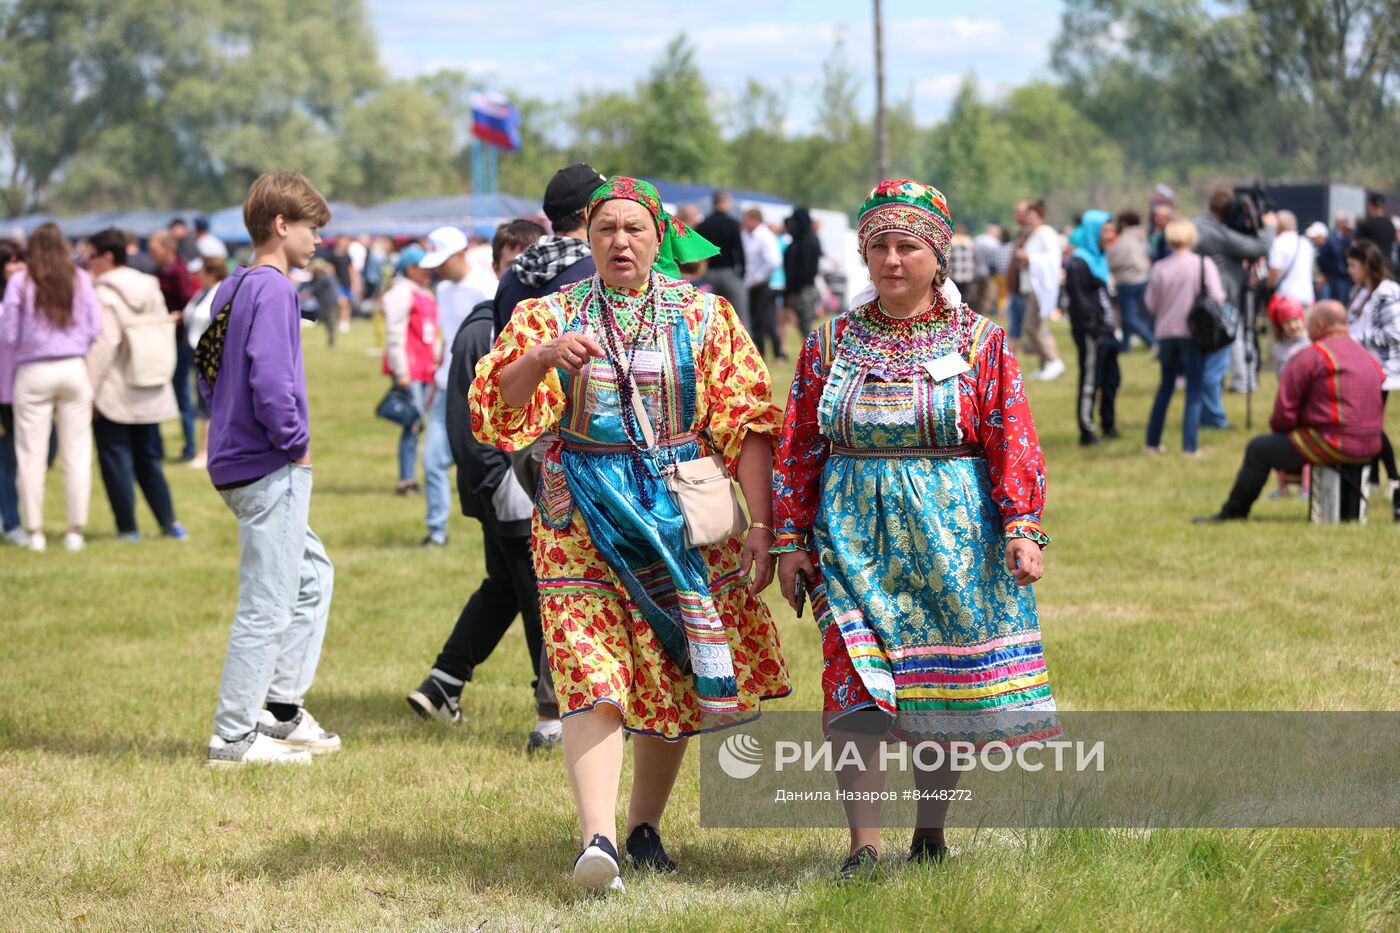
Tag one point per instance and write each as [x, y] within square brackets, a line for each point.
[1315, 229]
[443, 244]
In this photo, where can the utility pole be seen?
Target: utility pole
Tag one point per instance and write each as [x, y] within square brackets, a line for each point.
[882, 161]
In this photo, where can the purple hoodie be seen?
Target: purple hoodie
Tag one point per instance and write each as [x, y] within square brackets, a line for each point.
[27, 336]
[257, 410]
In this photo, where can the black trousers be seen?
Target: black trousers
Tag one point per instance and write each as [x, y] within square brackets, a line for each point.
[129, 455]
[764, 315]
[508, 590]
[1099, 378]
[1263, 455]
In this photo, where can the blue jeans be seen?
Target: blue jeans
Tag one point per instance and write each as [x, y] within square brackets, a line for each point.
[1216, 366]
[284, 598]
[9, 471]
[408, 440]
[129, 455]
[1015, 314]
[437, 462]
[1130, 312]
[184, 359]
[1178, 356]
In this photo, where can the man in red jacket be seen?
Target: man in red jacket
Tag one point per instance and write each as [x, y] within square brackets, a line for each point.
[178, 287]
[1328, 411]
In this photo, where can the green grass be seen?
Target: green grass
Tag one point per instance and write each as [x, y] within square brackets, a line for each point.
[110, 661]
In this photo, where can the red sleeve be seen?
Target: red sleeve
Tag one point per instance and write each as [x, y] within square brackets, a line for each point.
[1292, 389]
[1006, 434]
[802, 451]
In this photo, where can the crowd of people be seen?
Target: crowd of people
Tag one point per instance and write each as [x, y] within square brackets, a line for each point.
[1117, 279]
[598, 384]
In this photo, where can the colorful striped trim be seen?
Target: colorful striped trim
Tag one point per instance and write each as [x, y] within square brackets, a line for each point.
[1313, 446]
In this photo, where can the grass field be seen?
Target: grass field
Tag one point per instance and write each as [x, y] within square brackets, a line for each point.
[110, 661]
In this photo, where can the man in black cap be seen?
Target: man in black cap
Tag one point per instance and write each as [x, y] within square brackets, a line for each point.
[558, 260]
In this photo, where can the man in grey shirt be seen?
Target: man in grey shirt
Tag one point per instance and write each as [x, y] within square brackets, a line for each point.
[1233, 253]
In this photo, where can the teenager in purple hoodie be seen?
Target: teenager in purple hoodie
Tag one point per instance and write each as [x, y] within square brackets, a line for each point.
[260, 461]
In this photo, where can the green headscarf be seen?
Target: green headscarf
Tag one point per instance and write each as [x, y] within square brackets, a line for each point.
[678, 242]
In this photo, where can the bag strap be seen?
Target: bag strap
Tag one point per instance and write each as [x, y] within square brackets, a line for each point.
[638, 409]
[228, 305]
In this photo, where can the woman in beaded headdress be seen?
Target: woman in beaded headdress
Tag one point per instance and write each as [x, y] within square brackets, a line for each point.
[642, 633]
[909, 489]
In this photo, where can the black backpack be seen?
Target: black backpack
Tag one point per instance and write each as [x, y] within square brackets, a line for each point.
[1212, 325]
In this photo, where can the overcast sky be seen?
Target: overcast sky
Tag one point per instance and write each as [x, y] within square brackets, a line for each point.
[552, 50]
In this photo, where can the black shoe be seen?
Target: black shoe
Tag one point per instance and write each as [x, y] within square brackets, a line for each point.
[596, 868]
[645, 851]
[1111, 434]
[862, 864]
[1395, 504]
[407, 488]
[1216, 519]
[927, 850]
[1088, 440]
[435, 700]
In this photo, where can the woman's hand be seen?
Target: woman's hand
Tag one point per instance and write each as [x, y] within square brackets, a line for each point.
[569, 352]
[757, 559]
[788, 565]
[1024, 560]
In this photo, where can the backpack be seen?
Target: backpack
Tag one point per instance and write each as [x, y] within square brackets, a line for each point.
[209, 352]
[148, 338]
[1211, 325]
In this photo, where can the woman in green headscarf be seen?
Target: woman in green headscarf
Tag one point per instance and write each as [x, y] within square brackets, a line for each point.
[643, 633]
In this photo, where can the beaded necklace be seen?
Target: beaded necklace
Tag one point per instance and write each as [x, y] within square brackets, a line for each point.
[621, 352]
[896, 348]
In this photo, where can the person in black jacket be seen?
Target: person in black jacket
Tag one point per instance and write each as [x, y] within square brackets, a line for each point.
[490, 493]
[1092, 324]
[557, 260]
[800, 264]
[725, 273]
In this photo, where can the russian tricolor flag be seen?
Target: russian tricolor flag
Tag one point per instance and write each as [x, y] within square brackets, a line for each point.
[495, 121]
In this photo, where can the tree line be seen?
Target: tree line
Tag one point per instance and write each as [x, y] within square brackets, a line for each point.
[158, 103]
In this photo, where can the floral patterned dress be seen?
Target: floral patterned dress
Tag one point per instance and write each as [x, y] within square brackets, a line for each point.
[668, 635]
[907, 458]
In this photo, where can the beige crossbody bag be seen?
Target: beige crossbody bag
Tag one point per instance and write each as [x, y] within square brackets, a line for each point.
[701, 489]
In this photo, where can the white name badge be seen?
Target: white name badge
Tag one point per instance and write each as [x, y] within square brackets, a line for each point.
[429, 332]
[646, 361]
[946, 367]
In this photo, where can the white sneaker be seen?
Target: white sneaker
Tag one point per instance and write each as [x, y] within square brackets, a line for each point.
[37, 542]
[1054, 369]
[199, 463]
[253, 749]
[73, 542]
[17, 536]
[300, 732]
[344, 327]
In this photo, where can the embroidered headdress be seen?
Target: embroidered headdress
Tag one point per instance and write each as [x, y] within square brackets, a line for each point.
[903, 206]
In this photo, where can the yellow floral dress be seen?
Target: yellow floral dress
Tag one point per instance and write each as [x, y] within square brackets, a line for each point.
[608, 608]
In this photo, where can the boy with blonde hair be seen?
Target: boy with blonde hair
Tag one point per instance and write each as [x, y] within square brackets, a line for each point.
[252, 379]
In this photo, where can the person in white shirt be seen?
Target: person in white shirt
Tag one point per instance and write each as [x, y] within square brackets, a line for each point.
[1043, 256]
[1291, 260]
[447, 258]
[209, 246]
[761, 259]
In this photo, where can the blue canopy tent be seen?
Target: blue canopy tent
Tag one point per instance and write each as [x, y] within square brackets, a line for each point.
[415, 217]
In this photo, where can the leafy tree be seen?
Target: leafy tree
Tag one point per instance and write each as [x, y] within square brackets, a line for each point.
[676, 135]
[396, 143]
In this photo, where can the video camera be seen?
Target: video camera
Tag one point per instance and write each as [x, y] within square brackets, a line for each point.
[1250, 204]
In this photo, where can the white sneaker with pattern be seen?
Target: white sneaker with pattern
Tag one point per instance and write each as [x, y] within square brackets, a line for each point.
[301, 731]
